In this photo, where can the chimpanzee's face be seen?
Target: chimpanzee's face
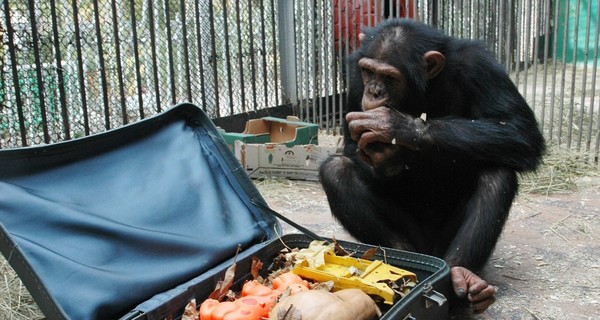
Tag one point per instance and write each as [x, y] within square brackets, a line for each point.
[384, 84]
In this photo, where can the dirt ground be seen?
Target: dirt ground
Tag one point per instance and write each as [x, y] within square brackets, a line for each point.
[545, 265]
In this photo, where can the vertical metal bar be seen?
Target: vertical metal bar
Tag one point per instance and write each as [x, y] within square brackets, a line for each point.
[593, 93]
[38, 70]
[547, 16]
[298, 42]
[307, 55]
[80, 71]
[573, 73]
[264, 53]
[228, 56]
[240, 54]
[313, 61]
[213, 58]
[186, 54]
[476, 14]
[252, 56]
[338, 75]
[500, 30]
[320, 92]
[414, 7]
[346, 73]
[525, 46]
[509, 33]
[136, 57]
[325, 31]
[200, 55]
[584, 78]
[536, 44]
[448, 18]
[457, 23]
[275, 56]
[102, 66]
[462, 18]
[370, 15]
[299, 51]
[472, 16]
[434, 13]
[484, 20]
[170, 52]
[59, 73]
[554, 64]
[117, 43]
[518, 43]
[463, 23]
[10, 32]
[563, 73]
[151, 25]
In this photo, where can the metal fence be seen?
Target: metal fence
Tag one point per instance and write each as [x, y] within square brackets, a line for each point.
[75, 67]
[71, 68]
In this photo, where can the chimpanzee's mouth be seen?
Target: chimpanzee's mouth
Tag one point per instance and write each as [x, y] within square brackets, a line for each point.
[369, 104]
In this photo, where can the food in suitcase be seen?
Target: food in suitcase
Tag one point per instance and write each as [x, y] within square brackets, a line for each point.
[311, 283]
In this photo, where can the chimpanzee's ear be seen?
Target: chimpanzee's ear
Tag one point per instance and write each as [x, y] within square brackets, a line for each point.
[434, 63]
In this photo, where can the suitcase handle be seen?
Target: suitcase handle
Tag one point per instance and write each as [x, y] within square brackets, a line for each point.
[300, 228]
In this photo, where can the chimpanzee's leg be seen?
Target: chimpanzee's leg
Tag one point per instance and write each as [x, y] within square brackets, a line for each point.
[476, 234]
[485, 213]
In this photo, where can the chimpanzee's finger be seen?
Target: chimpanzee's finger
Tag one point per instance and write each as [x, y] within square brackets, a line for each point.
[481, 306]
[459, 283]
[481, 295]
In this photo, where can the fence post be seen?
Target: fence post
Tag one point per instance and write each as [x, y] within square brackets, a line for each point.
[287, 53]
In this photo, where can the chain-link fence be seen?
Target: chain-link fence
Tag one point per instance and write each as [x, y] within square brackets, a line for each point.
[75, 67]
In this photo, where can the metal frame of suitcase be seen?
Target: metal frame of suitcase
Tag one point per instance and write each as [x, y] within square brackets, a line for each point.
[135, 222]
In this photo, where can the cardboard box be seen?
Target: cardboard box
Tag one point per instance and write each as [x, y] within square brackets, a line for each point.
[290, 132]
[278, 160]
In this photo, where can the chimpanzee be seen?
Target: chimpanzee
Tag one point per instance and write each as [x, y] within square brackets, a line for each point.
[434, 136]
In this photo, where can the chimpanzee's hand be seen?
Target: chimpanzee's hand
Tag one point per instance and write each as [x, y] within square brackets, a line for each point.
[467, 284]
[382, 133]
[385, 125]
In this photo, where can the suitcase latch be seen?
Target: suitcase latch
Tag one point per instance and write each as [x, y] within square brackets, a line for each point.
[431, 296]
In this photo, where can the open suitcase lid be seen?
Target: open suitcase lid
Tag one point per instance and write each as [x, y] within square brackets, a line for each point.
[97, 225]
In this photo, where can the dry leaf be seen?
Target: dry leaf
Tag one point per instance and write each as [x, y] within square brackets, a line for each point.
[314, 254]
[223, 286]
[290, 314]
[190, 312]
[369, 254]
[339, 250]
[256, 267]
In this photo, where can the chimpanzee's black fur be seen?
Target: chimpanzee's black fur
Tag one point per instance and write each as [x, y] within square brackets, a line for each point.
[453, 193]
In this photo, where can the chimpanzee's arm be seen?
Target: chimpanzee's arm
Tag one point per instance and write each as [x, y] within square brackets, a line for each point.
[510, 139]
[509, 142]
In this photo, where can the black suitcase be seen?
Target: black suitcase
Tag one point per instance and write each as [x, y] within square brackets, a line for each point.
[135, 222]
